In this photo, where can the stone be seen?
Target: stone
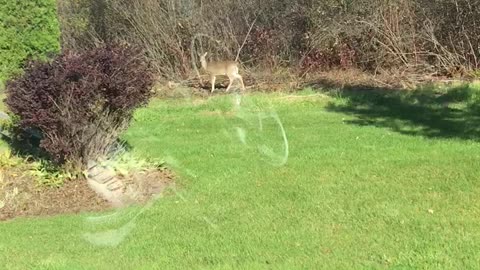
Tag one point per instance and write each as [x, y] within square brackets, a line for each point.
[103, 180]
[114, 197]
[100, 173]
[104, 176]
[4, 116]
[115, 185]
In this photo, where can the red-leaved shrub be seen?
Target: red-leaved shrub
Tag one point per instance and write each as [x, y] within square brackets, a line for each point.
[81, 101]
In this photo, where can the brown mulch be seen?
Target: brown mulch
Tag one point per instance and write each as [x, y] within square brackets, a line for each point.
[32, 199]
[74, 196]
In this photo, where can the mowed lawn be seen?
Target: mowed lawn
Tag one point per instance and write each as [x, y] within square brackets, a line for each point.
[362, 187]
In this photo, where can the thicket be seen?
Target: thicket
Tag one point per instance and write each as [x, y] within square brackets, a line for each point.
[81, 101]
[28, 30]
[423, 36]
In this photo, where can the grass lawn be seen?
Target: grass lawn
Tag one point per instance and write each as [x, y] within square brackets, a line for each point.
[387, 182]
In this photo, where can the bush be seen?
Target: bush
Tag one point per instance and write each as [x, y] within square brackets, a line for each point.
[28, 29]
[165, 29]
[81, 101]
[411, 35]
[374, 35]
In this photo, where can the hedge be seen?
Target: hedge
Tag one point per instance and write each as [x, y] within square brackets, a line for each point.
[29, 29]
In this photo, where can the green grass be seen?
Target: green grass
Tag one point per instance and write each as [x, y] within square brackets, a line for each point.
[355, 193]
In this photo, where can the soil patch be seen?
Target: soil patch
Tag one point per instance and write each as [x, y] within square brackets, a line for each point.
[22, 196]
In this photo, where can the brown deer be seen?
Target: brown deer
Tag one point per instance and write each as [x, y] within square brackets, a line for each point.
[225, 68]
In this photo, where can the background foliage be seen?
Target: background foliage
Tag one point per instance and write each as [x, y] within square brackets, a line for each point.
[28, 29]
[440, 37]
[430, 37]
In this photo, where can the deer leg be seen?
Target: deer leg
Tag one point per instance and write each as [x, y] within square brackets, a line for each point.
[212, 80]
[230, 83]
[239, 77]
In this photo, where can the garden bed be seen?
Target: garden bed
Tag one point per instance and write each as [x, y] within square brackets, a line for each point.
[21, 194]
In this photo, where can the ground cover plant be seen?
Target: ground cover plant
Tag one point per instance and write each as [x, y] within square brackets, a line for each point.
[355, 192]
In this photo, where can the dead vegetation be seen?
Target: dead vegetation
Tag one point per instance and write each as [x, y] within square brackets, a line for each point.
[403, 39]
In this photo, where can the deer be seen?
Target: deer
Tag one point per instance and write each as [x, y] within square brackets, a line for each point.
[225, 68]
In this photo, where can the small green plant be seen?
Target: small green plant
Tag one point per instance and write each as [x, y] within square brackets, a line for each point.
[8, 160]
[49, 175]
[7, 126]
[43, 171]
[127, 162]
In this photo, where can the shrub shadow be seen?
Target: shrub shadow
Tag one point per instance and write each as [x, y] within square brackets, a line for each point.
[26, 144]
[430, 111]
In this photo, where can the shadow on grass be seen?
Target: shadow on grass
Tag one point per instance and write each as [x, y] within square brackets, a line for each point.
[430, 111]
[26, 144]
